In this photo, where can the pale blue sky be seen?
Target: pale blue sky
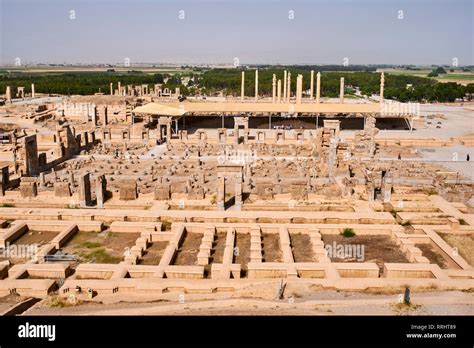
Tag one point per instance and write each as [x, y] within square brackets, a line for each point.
[257, 32]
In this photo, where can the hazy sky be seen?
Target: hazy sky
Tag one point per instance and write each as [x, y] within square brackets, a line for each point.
[217, 31]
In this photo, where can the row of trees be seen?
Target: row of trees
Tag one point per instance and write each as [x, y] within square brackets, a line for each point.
[399, 87]
[82, 83]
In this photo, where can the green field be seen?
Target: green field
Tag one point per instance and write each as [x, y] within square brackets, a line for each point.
[456, 76]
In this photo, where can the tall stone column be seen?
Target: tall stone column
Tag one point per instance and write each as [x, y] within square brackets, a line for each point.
[242, 87]
[288, 91]
[8, 94]
[221, 193]
[382, 84]
[318, 87]
[111, 88]
[341, 90]
[311, 86]
[32, 90]
[119, 88]
[238, 191]
[168, 131]
[85, 190]
[299, 88]
[284, 85]
[100, 190]
[256, 85]
[279, 91]
[274, 89]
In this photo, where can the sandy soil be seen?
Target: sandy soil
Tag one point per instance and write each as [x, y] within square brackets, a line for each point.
[316, 303]
[87, 244]
[378, 249]
[429, 252]
[302, 248]
[35, 237]
[465, 245]
[271, 247]
[187, 253]
[153, 253]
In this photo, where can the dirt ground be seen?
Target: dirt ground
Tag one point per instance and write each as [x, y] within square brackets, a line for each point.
[100, 247]
[378, 249]
[187, 253]
[217, 252]
[271, 247]
[302, 248]
[35, 237]
[153, 253]
[322, 302]
[464, 243]
[430, 253]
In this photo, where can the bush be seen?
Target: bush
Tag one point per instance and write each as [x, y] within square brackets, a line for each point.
[348, 232]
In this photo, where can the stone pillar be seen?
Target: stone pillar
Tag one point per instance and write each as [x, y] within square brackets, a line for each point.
[288, 90]
[168, 131]
[104, 116]
[387, 183]
[284, 85]
[111, 88]
[382, 83]
[8, 94]
[221, 193]
[42, 180]
[242, 87]
[318, 87]
[4, 179]
[238, 191]
[341, 91]
[119, 88]
[100, 190]
[85, 190]
[256, 85]
[274, 89]
[32, 90]
[279, 91]
[299, 88]
[311, 86]
[30, 155]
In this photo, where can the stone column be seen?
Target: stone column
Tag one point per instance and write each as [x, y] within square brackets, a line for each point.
[221, 193]
[242, 87]
[311, 86]
[279, 91]
[288, 90]
[318, 87]
[299, 88]
[341, 90]
[274, 89]
[100, 190]
[382, 83]
[42, 179]
[168, 130]
[256, 85]
[111, 88]
[238, 191]
[85, 190]
[284, 84]
[9, 94]
[32, 90]
[119, 88]
[104, 120]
